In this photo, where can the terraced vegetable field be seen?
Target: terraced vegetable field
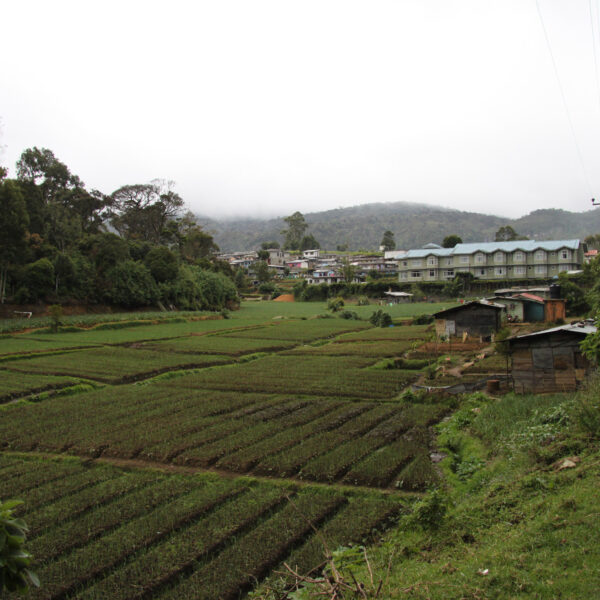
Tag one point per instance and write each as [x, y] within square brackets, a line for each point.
[288, 402]
[103, 532]
[110, 365]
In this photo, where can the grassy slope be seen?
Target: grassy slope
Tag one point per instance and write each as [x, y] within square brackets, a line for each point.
[516, 526]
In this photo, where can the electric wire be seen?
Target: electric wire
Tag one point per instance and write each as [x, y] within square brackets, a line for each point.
[564, 98]
[594, 49]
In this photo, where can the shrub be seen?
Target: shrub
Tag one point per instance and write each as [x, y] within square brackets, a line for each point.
[362, 301]
[56, 313]
[422, 320]
[429, 513]
[266, 288]
[162, 264]
[349, 314]
[587, 408]
[131, 285]
[335, 304]
[380, 319]
[14, 561]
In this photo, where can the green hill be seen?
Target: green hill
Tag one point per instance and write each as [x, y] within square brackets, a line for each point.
[362, 227]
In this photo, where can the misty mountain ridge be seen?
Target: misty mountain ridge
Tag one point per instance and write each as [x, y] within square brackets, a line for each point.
[361, 227]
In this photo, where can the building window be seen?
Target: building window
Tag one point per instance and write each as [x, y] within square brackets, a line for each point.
[540, 255]
[499, 257]
[499, 271]
[403, 275]
[449, 261]
[520, 270]
[405, 263]
[464, 259]
[564, 254]
[415, 274]
[479, 258]
[431, 273]
[449, 273]
[415, 263]
[481, 272]
[540, 269]
[519, 257]
[431, 260]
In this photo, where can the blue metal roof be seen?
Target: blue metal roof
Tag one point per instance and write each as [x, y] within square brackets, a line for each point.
[491, 247]
[423, 252]
[525, 245]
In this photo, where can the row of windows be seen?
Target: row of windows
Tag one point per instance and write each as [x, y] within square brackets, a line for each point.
[499, 257]
[498, 271]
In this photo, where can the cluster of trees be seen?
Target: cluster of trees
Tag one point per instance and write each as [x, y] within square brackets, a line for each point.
[295, 234]
[135, 247]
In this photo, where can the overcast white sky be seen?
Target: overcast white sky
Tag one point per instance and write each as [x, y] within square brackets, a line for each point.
[267, 107]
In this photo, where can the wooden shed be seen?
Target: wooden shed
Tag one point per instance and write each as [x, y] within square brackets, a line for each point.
[479, 318]
[550, 360]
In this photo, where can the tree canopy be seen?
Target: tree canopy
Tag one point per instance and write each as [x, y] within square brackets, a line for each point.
[61, 242]
[387, 242]
[296, 227]
[451, 240]
[506, 233]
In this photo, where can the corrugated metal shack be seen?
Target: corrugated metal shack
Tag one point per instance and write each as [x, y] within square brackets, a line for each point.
[479, 318]
[550, 360]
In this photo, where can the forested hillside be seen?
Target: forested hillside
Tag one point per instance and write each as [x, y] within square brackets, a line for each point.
[362, 227]
[134, 247]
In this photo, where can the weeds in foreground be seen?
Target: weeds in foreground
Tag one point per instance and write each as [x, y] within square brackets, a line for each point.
[337, 581]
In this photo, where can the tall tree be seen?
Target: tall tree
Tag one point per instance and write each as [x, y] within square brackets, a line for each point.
[387, 242]
[13, 229]
[297, 226]
[451, 240]
[507, 234]
[308, 242]
[142, 211]
[348, 271]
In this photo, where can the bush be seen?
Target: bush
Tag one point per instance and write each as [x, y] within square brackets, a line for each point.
[422, 320]
[162, 264]
[350, 315]
[335, 304]
[362, 301]
[56, 313]
[39, 278]
[266, 288]
[380, 319]
[429, 513]
[587, 407]
[14, 561]
[131, 285]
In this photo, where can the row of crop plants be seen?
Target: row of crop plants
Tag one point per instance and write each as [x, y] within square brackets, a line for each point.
[101, 532]
[342, 376]
[280, 436]
[111, 364]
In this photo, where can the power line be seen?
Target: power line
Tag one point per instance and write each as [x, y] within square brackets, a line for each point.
[595, 52]
[564, 98]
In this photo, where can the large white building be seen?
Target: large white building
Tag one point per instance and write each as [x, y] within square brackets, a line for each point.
[521, 259]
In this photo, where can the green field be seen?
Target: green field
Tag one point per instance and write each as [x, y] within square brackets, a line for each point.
[271, 394]
[104, 532]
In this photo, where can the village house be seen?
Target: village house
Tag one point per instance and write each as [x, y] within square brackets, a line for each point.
[522, 259]
[479, 319]
[550, 360]
[326, 275]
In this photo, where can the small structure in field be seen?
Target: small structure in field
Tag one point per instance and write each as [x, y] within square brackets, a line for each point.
[479, 318]
[397, 297]
[550, 360]
[530, 308]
